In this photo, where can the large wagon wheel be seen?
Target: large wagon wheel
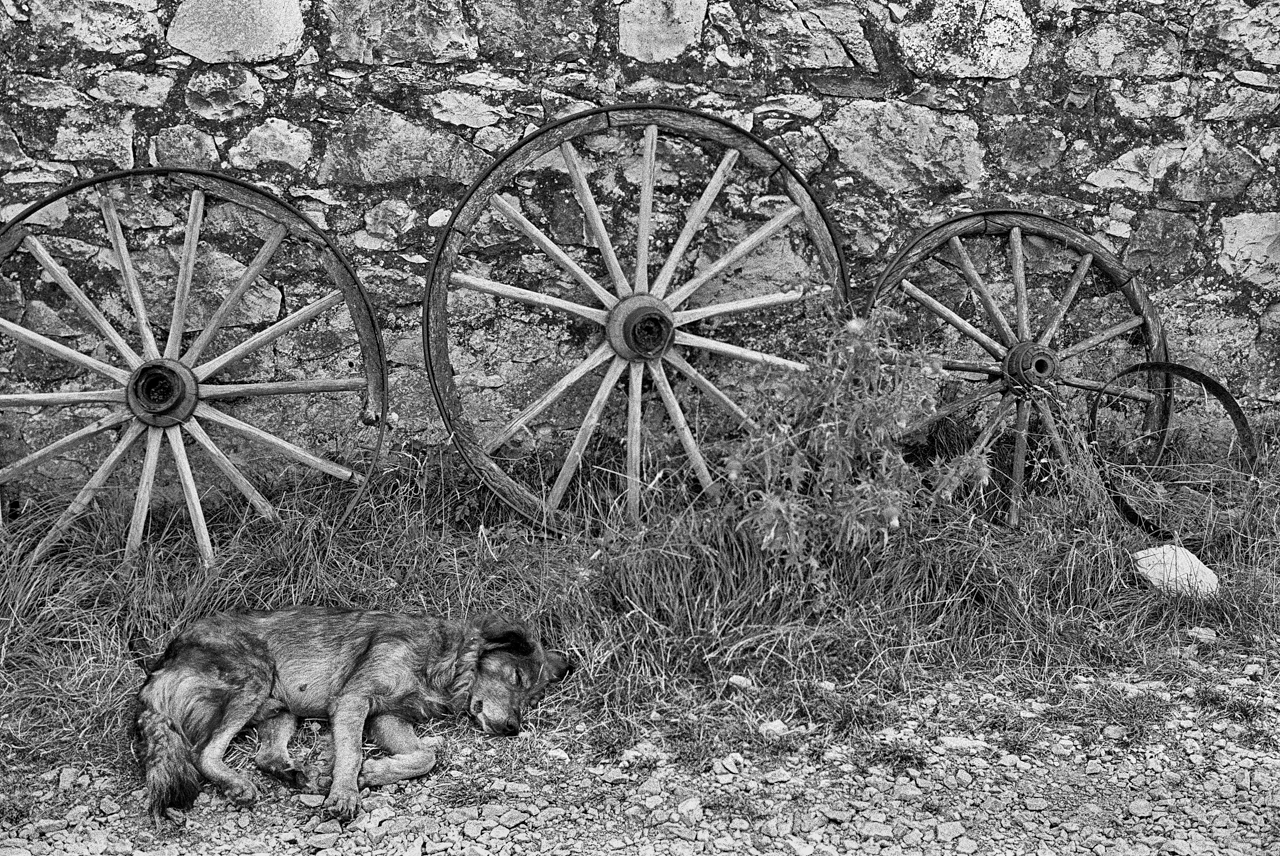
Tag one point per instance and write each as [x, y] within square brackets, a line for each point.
[656, 249]
[172, 307]
[1014, 318]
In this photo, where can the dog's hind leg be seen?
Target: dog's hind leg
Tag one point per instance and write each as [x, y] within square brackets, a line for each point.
[408, 757]
[237, 713]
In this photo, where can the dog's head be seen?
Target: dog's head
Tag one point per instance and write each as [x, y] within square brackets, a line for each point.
[512, 670]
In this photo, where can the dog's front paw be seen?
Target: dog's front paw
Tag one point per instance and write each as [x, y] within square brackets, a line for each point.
[343, 804]
[241, 792]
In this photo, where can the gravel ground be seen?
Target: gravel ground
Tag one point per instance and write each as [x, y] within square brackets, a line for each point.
[1114, 765]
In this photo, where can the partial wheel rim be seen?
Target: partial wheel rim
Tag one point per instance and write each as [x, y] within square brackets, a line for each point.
[633, 279]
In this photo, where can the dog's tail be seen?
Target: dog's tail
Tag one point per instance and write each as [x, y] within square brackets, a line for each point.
[171, 776]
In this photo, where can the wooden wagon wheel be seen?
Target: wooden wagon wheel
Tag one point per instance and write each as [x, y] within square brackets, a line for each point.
[1014, 318]
[175, 307]
[611, 296]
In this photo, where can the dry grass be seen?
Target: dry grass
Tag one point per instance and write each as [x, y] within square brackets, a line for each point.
[829, 575]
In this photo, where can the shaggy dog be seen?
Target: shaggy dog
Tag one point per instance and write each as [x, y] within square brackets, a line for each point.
[375, 669]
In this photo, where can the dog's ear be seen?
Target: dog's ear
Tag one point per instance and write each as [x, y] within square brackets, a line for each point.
[558, 667]
[499, 634]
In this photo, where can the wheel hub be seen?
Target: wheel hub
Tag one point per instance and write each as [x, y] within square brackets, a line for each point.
[1030, 364]
[640, 327]
[162, 392]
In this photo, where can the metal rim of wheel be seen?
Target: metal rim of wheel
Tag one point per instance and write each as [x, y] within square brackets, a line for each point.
[1020, 345]
[635, 322]
[161, 379]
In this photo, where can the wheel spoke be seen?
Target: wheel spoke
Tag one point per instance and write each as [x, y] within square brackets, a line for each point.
[739, 353]
[186, 267]
[188, 480]
[1106, 335]
[1055, 321]
[1022, 426]
[674, 410]
[709, 389]
[634, 413]
[61, 351]
[644, 219]
[1109, 389]
[284, 447]
[697, 213]
[247, 279]
[55, 399]
[588, 427]
[142, 499]
[215, 391]
[988, 432]
[733, 307]
[498, 289]
[59, 275]
[70, 441]
[1018, 264]
[953, 407]
[991, 346]
[552, 249]
[269, 335]
[552, 395]
[229, 469]
[90, 489]
[740, 251]
[129, 276]
[988, 302]
[587, 202]
[1055, 435]
[898, 358]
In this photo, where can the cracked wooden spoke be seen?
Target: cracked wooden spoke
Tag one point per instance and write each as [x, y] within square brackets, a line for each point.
[283, 447]
[709, 389]
[90, 489]
[142, 499]
[740, 251]
[1055, 434]
[733, 307]
[676, 413]
[190, 493]
[898, 358]
[1106, 335]
[65, 444]
[229, 469]
[1018, 265]
[589, 422]
[989, 431]
[1022, 426]
[988, 302]
[595, 223]
[215, 391]
[57, 399]
[233, 298]
[129, 276]
[953, 407]
[269, 335]
[186, 268]
[86, 306]
[634, 413]
[991, 346]
[644, 218]
[1064, 305]
[533, 298]
[737, 352]
[62, 352]
[1108, 389]
[553, 250]
[697, 213]
[593, 361]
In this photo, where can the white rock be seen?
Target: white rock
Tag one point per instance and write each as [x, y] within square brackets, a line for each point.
[224, 92]
[1177, 570]
[110, 26]
[1127, 45]
[905, 148]
[659, 30]
[274, 141]
[237, 30]
[131, 87]
[1251, 248]
[968, 38]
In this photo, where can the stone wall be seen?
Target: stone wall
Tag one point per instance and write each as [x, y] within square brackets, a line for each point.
[1155, 126]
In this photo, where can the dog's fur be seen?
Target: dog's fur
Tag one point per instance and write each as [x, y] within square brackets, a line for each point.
[389, 671]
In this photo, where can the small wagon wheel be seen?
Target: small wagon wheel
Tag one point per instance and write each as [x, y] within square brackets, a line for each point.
[1014, 318]
[611, 297]
[176, 308]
